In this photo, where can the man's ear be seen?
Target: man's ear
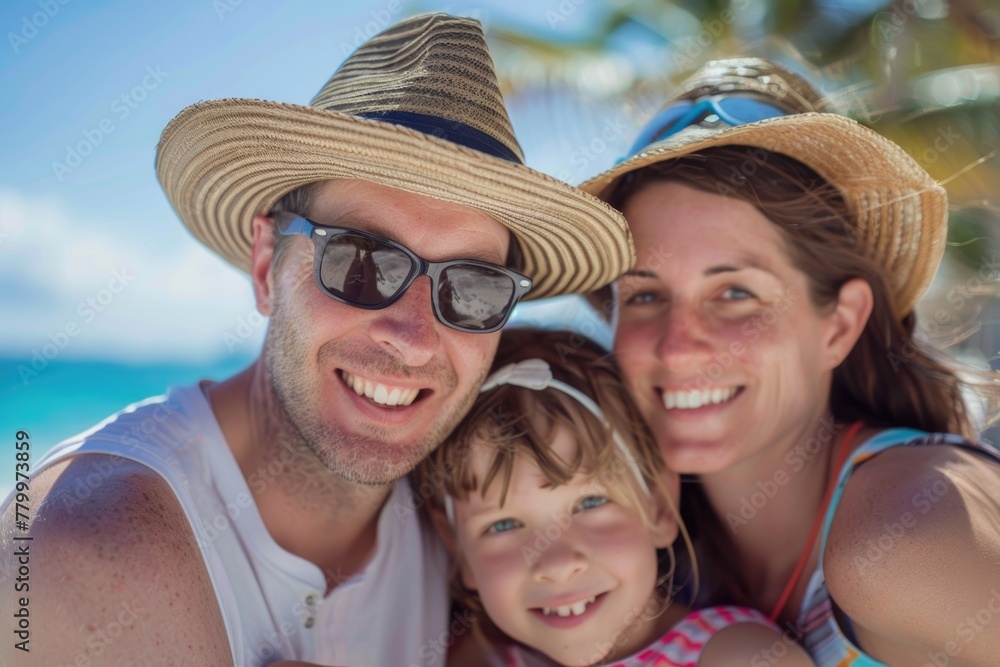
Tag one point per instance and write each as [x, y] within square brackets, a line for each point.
[847, 320]
[260, 263]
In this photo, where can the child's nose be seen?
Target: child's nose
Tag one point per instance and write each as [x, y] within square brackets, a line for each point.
[560, 562]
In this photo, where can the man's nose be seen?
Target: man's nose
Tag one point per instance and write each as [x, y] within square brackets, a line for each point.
[409, 327]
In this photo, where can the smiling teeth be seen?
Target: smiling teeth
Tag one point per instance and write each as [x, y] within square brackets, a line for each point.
[690, 400]
[380, 393]
[566, 610]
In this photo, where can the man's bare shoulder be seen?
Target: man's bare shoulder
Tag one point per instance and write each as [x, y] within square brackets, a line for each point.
[116, 577]
[752, 644]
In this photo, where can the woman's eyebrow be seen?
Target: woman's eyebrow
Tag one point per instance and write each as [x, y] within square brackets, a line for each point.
[639, 273]
[742, 265]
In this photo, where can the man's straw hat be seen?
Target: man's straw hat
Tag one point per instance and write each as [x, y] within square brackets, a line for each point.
[416, 108]
[900, 212]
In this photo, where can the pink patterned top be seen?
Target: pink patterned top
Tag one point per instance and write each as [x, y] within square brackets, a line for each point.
[681, 647]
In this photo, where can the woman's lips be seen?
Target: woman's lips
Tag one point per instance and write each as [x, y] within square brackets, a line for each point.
[683, 400]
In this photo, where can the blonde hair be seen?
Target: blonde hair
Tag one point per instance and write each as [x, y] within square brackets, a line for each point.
[518, 422]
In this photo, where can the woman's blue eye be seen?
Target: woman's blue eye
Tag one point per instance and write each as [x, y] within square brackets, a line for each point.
[590, 502]
[503, 525]
[641, 298]
[737, 294]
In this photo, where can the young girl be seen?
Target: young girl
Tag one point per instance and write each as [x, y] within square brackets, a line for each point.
[554, 499]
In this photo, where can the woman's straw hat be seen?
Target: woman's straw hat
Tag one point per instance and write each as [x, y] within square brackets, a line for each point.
[416, 108]
[900, 212]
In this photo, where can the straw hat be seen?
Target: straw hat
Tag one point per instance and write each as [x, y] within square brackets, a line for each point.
[900, 212]
[416, 108]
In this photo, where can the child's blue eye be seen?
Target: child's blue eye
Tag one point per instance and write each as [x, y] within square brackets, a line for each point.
[590, 502]
[737, 294]
[503, 525]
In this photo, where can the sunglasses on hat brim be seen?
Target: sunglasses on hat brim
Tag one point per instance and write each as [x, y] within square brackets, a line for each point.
[732, 109]
[372, 272]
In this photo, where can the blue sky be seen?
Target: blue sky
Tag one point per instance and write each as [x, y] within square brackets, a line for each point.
[94, 261]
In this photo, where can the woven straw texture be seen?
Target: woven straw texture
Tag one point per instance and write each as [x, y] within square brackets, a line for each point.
[223, 161]
[900, 213]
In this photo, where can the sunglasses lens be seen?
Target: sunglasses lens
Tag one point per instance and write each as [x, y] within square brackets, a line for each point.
[659, 125]
[369, 272]
[748, 110]
[364, 271]
[735, 110]
[473, 297]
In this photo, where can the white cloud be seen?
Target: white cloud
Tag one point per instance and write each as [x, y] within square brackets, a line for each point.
[130, 291]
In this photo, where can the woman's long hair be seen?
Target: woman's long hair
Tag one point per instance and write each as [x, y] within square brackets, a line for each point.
[889, 379]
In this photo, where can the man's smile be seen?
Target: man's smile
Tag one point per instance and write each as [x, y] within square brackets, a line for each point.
[379, 393]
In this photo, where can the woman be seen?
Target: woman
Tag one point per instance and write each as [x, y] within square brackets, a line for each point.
[768, 336]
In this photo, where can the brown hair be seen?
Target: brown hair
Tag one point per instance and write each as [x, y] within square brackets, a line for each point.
[518, 422]
[298, 202]
[816, 225]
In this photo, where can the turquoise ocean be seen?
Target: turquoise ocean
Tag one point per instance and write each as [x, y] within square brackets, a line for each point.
[68, 397]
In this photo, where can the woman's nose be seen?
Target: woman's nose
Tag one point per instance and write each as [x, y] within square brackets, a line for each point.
[684, 338]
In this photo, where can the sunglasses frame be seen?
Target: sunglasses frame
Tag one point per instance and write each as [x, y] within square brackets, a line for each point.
[698, 110]
[288, 224]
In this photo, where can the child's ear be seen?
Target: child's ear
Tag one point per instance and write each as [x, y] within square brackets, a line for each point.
[443, 528]
[467, 579]
[665, 514]
[446, 532]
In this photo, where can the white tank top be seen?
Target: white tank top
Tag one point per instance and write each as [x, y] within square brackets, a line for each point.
[393, 613]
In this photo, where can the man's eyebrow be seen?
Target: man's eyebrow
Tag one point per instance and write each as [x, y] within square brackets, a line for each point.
[362, 223]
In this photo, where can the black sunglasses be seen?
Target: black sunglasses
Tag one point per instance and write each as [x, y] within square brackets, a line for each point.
[372, 272]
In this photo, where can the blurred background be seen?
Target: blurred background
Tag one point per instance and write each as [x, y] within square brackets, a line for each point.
[106, 299]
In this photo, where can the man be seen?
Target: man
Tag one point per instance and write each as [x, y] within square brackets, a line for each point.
[388, 229]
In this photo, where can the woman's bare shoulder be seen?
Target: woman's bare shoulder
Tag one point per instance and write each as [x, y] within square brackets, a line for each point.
[913, 547]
